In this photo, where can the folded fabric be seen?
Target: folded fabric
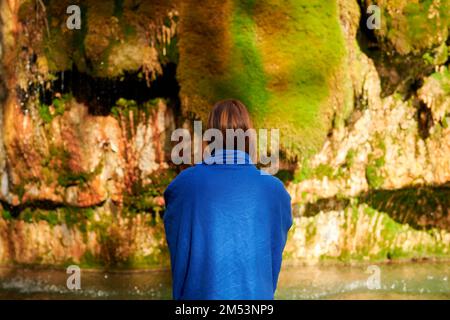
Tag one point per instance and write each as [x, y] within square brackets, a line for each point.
[226, 226]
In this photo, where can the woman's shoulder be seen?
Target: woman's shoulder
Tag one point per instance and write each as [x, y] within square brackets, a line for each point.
[184, 175]
[269, 178]
[275, 184]
[188, 176]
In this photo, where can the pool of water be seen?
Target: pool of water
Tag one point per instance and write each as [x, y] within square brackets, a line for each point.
[383, 281]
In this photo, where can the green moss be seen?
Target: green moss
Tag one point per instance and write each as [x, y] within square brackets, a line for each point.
[350, 158]
[26, 215]
[159, 255]
[71, 216]
[44, 113]
[6, 215]
[103, 25]
[390, 240]
[58, 105]
[125, 107]
[19, 189]
[376, 162]
[172, 53]
[82, 219]
[285, 175]
[66, 179]
[51, 217]
[118, 8]
[245, 79]
[444, 79]
[74, 216]
[374, 178]
[428, 58]
[61, 48]
[304, 172]
[299, 90]
[419, 29]
[57, 163]
[278, 57]
[419, 207]
[142, 198]
[89, 260]
[159, 258]
[412, 26]
[445, 122]
[140, 112]
[323, 170]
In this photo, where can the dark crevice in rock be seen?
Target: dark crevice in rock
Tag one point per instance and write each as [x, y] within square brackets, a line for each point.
[416, 85]
[360, 104]
[101, 94]
[424, 119]
[398, 73]
[366, 37]
[422, 207]
[326, 204]
[45, 205]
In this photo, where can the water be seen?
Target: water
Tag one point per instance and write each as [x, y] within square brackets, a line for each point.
[397, 281]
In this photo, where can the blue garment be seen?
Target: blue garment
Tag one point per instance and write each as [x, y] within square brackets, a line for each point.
[226, 226]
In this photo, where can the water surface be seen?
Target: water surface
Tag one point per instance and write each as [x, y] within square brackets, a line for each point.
[397, 281]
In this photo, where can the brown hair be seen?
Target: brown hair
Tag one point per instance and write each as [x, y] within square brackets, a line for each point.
[230, 114]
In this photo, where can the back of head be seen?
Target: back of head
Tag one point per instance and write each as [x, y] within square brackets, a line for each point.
[232, 114]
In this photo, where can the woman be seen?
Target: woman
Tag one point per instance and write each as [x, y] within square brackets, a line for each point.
[226, 223]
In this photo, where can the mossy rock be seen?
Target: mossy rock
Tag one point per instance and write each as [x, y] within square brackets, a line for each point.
[410, 42]
[421, 208]
[361, 233]
[105, 27]
[281, 58]
[435, 93]
[412, 27]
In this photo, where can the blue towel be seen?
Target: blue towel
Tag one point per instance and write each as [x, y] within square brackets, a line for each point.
[226, 226]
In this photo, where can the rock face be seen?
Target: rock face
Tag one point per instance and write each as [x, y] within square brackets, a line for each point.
[91, 239]
[265, 53]
[363, 234]
[87, 116]
[80, 159]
